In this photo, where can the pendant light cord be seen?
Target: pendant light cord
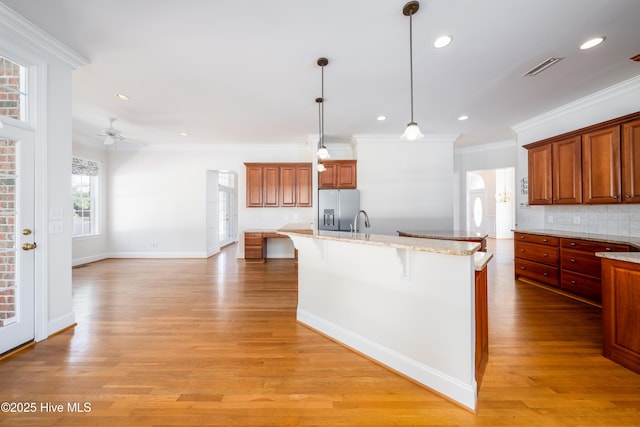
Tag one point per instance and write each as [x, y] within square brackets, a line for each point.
[322, 108]
[411, 60]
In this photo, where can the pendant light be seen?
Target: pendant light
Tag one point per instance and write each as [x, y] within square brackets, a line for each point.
[321, 167]
[412, 132]
[322, 153]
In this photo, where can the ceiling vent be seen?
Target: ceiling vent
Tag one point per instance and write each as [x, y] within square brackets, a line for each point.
[636, 58]
[541, 67]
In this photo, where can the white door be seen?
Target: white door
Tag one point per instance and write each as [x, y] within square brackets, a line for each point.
[477, 214]
[17, 238]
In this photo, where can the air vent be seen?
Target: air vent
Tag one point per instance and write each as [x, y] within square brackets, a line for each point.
[541, 66]
[636, 58]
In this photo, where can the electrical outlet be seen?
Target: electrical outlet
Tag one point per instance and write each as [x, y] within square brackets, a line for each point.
[154, 244]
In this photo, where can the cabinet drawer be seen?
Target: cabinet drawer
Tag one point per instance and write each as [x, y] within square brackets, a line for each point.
[587, 245]
[536, 238]
[253, 252]
[537, 253]
[541, 272]
[253, 239]
[580, 261]
[580, 284]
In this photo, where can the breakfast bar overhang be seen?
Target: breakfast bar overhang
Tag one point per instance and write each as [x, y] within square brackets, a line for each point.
[406, 303]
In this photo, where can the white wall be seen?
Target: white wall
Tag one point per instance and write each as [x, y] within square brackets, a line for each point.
[157, 198]
[616, 101]
[94, 248]
[406, 185]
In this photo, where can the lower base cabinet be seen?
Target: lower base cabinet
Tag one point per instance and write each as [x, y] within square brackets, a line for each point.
[482, 323]
[621, 312]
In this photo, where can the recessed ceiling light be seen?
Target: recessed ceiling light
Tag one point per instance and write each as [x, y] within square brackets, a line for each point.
[442, 41]
[463, 117]
[381, 118]
[184, 134]
[591, 43]
[122, 97]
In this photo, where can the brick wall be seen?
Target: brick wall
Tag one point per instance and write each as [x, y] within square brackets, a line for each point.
[7, 231]
[9, 89]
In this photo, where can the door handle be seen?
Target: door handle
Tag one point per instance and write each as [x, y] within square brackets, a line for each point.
[29, 246]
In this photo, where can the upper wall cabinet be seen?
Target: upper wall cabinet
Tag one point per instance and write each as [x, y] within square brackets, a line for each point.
[599, 164]
[554, 173]
[278, 185]
[338, 174]
[630, 153]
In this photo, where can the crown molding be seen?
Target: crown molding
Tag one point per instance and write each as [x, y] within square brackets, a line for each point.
[486, 147]
[25, 30]
[597, 98]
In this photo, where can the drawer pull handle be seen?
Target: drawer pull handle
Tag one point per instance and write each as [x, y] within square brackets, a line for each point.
[627, 196]
[573, 282]
[615, 197]
[521, 268]
[521, 250]
[545, 240]
[546, 274]
[572, 260]
[573, 244]
[607, 249]
[545, 254]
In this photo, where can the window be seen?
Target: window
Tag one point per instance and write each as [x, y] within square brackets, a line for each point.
[12, 90]
[84, 191]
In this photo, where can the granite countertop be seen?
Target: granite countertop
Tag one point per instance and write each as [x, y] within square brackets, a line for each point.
[481, 259]
[625, 240]
[412, 243]
[633, 257]
[447, 235]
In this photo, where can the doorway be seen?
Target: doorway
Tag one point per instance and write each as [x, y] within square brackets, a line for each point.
[17, 238]
[222, 210]
[490, 202]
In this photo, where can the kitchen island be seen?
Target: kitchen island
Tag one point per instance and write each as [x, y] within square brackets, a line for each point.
[409, 304]
[463, 236]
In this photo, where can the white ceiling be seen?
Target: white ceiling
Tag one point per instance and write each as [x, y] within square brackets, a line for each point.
[245, 71]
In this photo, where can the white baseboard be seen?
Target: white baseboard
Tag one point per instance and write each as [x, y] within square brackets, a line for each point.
[88, 259]
[60, 323]
[157, 255]
[446, 385]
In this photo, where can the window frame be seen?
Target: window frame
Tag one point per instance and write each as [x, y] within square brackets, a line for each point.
[94, 203]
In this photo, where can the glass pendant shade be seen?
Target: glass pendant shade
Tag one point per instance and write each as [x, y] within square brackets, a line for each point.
[412, 132]
[323, 153]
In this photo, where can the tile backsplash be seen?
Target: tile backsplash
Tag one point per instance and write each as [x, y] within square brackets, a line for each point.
[614, 220]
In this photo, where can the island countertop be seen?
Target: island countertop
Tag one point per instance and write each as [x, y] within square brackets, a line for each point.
[449, 247]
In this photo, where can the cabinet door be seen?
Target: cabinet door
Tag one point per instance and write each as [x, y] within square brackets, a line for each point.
[271, 177]
[288, 185]
[601, 166]
[631, 162]
[304, 191]
[346, 175]
[540, 175]
[567, 174]
[254, 186]
[327, 178]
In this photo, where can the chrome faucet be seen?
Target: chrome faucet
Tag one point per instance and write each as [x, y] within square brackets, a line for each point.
[355, 221]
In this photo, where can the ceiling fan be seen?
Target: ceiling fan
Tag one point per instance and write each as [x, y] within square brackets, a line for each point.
[111, 134]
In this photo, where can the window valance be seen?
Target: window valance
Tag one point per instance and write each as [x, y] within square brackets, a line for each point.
[84, 167]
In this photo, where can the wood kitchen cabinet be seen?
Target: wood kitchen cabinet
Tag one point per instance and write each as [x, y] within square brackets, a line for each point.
[630, 154]
[340, 174]
[536, 257]
[601, 166]
[621, 312]
[555, 173]
[279, 184]
[580, 271]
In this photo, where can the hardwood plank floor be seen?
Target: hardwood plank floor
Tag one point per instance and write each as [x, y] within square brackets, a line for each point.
[215, 342]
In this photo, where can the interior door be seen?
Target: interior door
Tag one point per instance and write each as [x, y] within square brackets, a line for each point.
[17, 238]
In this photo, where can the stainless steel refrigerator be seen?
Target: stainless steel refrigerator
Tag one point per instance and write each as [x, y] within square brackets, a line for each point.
[337, 208]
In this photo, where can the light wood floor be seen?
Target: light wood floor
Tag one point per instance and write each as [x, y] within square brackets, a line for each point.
[215, 342]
